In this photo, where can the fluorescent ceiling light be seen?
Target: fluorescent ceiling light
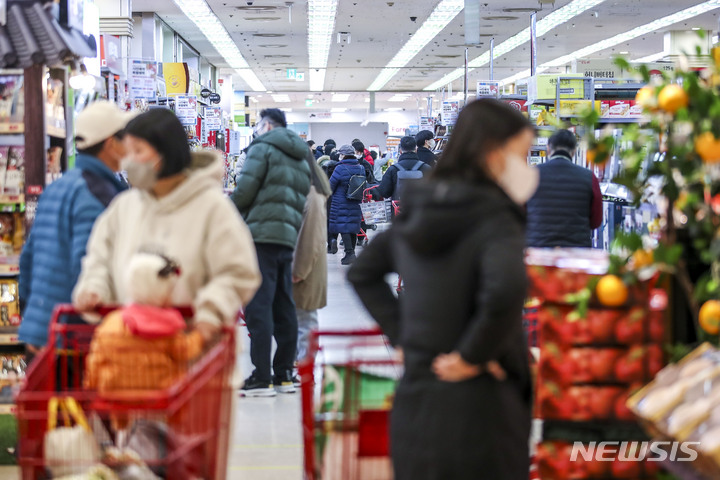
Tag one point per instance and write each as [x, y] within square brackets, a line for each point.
[281, 98]
[552, 20]
[288, 110]
[340, 97]
[317, 80]
[338, 110]
[321, 25]
[393, 109]
[696, 28]
[650, 58]
[519, 76]
[210, 25]
[443, 14]
[637, 32]
[399, 97]
[624, 53]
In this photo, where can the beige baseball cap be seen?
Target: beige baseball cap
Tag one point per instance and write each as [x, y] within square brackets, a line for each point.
[98, 122]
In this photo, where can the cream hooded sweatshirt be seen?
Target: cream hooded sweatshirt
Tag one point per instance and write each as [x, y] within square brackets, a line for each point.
[197, 226]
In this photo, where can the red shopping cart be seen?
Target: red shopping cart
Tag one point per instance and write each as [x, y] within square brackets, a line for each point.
[193, 412]
[347, 394]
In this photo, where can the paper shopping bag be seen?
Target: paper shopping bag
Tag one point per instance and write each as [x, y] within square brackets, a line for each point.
[69, 450]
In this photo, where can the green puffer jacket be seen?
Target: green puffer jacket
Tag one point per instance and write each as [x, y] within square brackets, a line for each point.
[272, 187]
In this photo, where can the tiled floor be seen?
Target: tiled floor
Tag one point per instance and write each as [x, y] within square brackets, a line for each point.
[268, 439]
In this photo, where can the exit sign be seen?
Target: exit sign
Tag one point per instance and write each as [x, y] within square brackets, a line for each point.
[292, 73]
[308, 103]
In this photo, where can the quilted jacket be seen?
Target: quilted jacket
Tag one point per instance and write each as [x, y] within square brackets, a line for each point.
[272, 187]
[51, 259]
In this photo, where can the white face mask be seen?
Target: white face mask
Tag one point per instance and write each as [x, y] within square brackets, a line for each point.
[141, 175]
[519, 180]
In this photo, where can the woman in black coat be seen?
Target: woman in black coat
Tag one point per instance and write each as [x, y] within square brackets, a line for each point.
[462, 410]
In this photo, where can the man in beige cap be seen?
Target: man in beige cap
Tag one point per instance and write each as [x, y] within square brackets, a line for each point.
[51, 259]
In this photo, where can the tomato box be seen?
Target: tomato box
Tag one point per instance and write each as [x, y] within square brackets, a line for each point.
[567, 461]
[564, 326]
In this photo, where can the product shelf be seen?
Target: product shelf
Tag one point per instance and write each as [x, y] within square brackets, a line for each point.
[12, 128]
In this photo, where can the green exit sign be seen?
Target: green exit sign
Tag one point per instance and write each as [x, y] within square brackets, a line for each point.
[308, 103]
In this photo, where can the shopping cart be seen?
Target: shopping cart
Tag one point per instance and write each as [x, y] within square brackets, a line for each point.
[347, 391]
[192, 415]
[374, 213]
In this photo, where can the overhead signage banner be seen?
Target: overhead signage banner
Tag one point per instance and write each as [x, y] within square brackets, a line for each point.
[186, 109]
[450, 111]
[213, 118]
[426, 123]
[487, 88]
[143, 77]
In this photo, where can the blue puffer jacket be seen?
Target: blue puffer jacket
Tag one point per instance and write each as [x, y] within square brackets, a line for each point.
[345, 215]
[51, 259]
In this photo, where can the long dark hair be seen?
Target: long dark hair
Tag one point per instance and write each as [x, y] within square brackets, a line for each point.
[482, 126]
[162, 129]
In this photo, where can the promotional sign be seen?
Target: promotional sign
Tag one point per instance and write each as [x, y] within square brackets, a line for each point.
[575, 108]
[487, 88]
[599, 69]
[519, 105]
[213, 118]
[177, 78]
[110, 54]
[396, 130]
[544, 87]
[186, 109]
[450, 111]
[143, 76]
[426, 123]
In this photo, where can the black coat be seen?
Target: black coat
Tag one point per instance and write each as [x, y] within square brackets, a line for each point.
[389, 180]
[559, 212]
[459, 248]
[427, 156]
[345, 215]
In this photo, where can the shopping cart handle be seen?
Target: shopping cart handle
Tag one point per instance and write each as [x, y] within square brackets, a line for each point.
[64, 310]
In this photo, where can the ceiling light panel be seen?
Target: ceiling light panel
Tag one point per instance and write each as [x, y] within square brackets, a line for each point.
[209, 24]
[551, 21]
[281, 98]
[338, 110]
[443, 14]
[321, 25]
[399, 97]
[636, 32]
[340, 97]
[650, 58]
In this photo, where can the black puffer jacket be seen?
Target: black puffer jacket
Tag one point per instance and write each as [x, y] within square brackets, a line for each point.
[459, 248]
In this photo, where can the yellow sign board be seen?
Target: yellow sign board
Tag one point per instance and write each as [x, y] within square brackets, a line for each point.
[575, 108]
[177, 78]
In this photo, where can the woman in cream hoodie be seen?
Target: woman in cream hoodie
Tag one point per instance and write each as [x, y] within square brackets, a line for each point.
[176, 206]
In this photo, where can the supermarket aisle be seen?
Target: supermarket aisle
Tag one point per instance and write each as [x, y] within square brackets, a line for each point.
[268, 438]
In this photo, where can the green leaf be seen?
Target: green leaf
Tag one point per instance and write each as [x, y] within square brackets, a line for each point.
[623, 63]
[701, 34]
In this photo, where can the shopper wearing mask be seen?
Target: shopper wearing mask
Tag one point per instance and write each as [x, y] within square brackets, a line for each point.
[458, 245]
[345, 215]
[271, 194]
[176, 206]
[426, 144]
[567, 206]
[310, 261]
[51, 259]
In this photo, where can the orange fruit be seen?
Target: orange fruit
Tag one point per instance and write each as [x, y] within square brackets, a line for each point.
[611, 291]
[710, 317]
[672, 98]
[646, 98]
[708, 147]
[598, 155]
[643, 258]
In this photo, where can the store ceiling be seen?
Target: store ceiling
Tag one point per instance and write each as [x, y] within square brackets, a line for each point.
[272, 37]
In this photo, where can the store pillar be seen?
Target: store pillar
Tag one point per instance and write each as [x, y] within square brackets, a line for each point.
[35, 140]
